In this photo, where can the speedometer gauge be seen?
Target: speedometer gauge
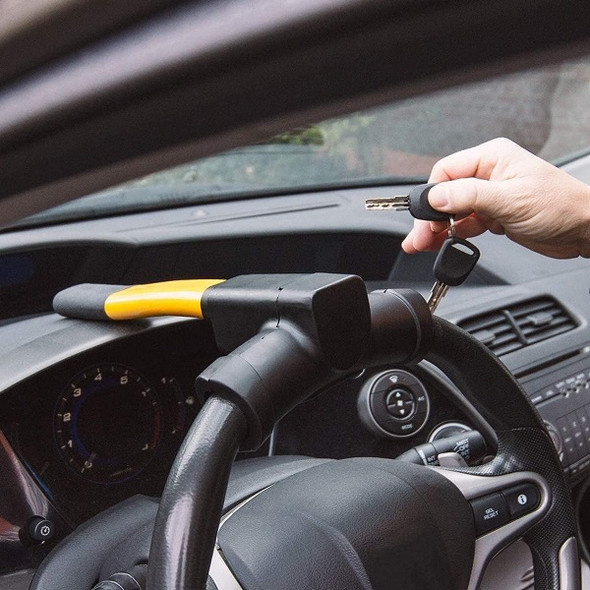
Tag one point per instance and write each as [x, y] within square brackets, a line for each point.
[107, 423]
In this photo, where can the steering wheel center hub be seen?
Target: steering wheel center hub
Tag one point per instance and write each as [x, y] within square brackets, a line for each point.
[355, 523]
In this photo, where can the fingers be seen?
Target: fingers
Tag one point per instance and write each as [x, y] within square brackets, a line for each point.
[438, 226]
[464, 196]
[478, 162]
[423, 239]
[456, 197]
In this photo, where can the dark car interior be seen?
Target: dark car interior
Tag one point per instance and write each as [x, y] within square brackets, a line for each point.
[94, 413]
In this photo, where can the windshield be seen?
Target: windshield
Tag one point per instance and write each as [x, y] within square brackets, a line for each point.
[543, 109]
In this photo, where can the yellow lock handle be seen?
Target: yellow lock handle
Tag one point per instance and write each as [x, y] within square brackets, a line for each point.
[117, 302]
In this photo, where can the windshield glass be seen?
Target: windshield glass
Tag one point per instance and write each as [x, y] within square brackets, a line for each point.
[543, 109]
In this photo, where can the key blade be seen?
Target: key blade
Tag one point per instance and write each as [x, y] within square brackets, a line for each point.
[439, 290]
[395, 203]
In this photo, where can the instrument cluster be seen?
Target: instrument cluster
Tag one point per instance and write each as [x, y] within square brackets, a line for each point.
[109, 421]
[107, 424]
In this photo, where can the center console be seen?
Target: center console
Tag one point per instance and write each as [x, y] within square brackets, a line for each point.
[561, 394]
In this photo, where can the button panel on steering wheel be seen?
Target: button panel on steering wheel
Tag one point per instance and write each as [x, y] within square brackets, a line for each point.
[394, 404]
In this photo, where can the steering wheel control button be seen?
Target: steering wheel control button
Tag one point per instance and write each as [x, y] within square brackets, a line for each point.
[401, 404]
[38, 530]
[394, 404]
[522, 499]
[489, 512]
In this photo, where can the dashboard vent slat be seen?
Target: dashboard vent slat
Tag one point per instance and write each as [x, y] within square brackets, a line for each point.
[519, 325]
[495, 330]
[500, 350]
[542, 318]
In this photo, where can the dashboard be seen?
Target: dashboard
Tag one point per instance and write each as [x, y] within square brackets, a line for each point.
[93, 413]
[108, 422]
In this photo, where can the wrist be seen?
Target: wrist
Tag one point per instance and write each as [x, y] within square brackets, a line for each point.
[584, 223]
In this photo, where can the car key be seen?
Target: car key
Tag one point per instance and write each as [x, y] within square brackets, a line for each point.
[416, 202]
[454, 263]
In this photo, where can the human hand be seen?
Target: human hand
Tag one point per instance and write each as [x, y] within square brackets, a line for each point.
[501, 187]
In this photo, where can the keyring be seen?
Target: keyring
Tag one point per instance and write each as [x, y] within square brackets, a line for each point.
[451, 232]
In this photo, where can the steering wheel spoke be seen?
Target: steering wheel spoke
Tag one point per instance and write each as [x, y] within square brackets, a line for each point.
[221, 574]
[507, 500]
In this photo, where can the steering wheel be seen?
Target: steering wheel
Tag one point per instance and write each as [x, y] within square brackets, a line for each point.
[362, 523]
[374, 523]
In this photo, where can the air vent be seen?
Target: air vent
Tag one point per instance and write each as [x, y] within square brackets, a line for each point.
[517, 326]
[541, 318]
[495, 330]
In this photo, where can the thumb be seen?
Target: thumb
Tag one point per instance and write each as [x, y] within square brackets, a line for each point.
[465, 196]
